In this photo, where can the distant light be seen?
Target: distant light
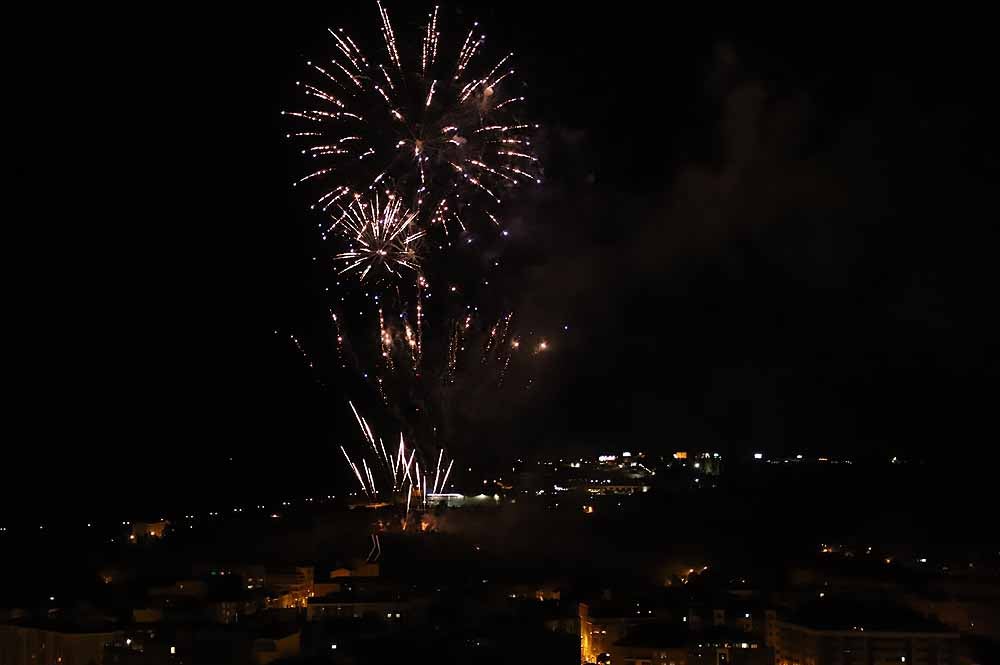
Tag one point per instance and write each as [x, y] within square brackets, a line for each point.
[173, 650]
[626, 454]
[798, 457]
[51, 598]
[923, 560]
[697, 465]
[758, 455]
[128, 641]
[746, 616]
[333, 646]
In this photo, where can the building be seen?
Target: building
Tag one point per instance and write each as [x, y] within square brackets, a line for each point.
[841, 634]
[295, 580]
[359, 569]
[663, 626]
[178, 592]
[356, 605]
[652, 645]
[278, 646]
[602, 625]
[46, 644]
[183, 644]
[626, 488]
[673, 644]
[148, 530]
[290, 587]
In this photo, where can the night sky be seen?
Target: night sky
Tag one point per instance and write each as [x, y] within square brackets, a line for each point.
[763, 233]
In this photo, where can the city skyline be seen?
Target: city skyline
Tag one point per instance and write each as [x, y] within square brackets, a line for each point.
[379, 332]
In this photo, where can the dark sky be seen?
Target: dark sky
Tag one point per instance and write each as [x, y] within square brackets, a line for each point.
[764, 232]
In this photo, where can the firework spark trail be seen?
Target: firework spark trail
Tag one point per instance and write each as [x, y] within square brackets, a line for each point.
[371, 437]
[305, 358]
[452, 356]
[497, 336]
[339, 338]
[368, 473]
[398, 459]
[437, 473]
[355, 469]
[302, 352]
[385, 339]
[515, 344]
[390, 37]
[490, 342]
[380, 387]
[421, 284]
[444, 483]
[358, 418]
[506, 327]
[376, 552]
[456, 344]
[387, 462]
[429, 54]
[409, 463]
[411, 344]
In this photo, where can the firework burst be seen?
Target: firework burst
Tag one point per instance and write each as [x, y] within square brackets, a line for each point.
[444, 132]
[396, 478]
[381, 238]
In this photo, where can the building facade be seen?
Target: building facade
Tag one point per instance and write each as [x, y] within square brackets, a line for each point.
[22, 645]
[796, 644]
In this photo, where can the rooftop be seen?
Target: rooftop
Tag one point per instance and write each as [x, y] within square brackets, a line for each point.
[837, 614]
